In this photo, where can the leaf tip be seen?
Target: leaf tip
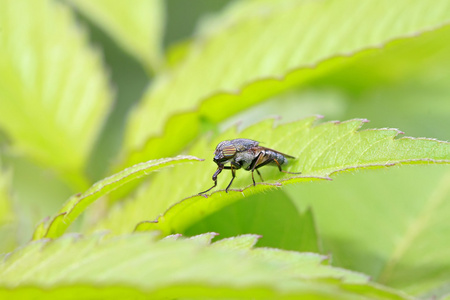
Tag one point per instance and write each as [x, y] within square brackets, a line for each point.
[257, 237]
[204, 238]
[141, 226]
[175, 236]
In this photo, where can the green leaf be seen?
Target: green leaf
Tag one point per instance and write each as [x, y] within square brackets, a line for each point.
[320, 151]
[8, 218]
[241, 62]
[446, 297]
[54, 93]
[271, 215]
[6, 211]
[417, 80]
[77, 204]
[410, 77]
[407, 75]
[136, 265]
[135, 25]
[390, 225]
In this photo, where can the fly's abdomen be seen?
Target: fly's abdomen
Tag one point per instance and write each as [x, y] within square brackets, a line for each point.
[275, 156]
[280, 158]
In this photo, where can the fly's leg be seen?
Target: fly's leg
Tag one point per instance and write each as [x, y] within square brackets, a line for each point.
[281, 170]
[233, 172]
[259, 175]
[214, 177]
[259, 159]
[215, 183]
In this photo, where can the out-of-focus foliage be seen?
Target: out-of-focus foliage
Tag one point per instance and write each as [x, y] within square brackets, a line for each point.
[252, 66]
[8, 221]
[71, 71]
[54, 93]
[77, 204]
[272, 215]
[173, 265]
[136, 25]
[401, 223]
[6, 211]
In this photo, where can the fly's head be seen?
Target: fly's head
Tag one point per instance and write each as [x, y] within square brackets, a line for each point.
[224, 153]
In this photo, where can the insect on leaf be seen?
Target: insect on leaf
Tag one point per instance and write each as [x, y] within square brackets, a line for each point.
[209, 85]
[320, 151]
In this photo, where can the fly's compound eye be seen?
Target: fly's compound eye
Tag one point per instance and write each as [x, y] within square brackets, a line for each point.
[229, 151]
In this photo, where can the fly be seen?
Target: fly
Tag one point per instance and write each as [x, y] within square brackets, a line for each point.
[246, 154]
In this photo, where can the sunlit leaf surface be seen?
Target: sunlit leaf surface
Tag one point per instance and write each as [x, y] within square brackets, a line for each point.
[137, 265]
[240, 62]
[53, 88]
[56, 226]
[320, 151]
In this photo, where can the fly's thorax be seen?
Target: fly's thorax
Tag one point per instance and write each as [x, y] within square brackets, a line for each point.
[244, 144]
[245, 158]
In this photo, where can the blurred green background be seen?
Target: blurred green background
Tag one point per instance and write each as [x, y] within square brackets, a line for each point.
[407, 88]
[37, 192]
[403, 84]
[390, 223]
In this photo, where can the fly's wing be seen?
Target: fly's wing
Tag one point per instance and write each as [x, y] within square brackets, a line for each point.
[284, 154]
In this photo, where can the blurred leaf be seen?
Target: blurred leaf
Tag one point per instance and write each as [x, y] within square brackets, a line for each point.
[54, 93]
[37, 192]
[136, 25]
[390, 225]
[177, 53]
[320, 151]
[6, 211]
[271, 215]
[242, 63]
[8, 220]
[77, 204]
[135, 265]
[409, 76]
